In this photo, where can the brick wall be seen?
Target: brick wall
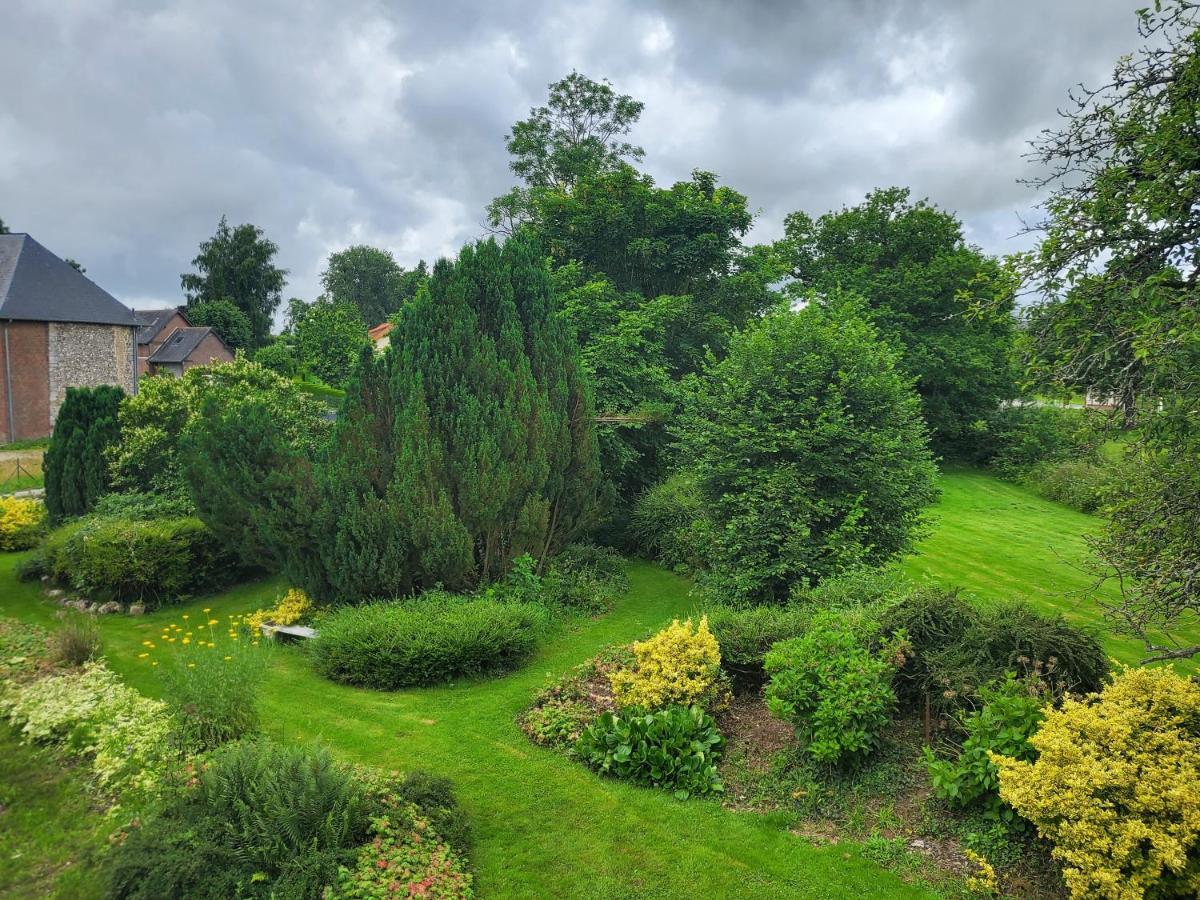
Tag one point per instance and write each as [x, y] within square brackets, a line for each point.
[145, 351]
[209, 350]
[28, 365]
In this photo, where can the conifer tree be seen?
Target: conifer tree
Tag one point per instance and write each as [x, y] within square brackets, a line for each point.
[76, 471]
[468, 443]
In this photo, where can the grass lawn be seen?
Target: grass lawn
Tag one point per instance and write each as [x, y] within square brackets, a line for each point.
[48, 826]
[545, 826]
[998, 541]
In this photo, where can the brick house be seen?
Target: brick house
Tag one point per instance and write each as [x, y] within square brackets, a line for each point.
[169, 344]
[58, 329]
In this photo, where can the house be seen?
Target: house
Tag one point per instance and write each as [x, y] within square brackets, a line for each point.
[157, 326]
[186, 347]
[380, 336]
[58, 329]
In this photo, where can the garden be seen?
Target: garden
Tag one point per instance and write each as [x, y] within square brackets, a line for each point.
[642, 562]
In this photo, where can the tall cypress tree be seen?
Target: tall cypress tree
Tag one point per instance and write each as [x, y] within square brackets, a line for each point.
[76, 470]
[468, 443]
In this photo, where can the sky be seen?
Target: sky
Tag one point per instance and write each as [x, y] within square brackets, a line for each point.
[128, 128]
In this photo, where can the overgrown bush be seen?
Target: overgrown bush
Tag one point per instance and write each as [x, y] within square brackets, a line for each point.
[957, 647]
[585, 577]
[434, 638]
[676, 748]
[833, 690]
[746, 635]
[138, 506]
[22, 522]
[680, 665]
[1075, 482]
[809, 451]
[75, 465]
[153, 562]
[664, 520]
[1011, 713]
[77, 640]
[1014, 439]
[265, 820]
[1116, 787]
[213, 690]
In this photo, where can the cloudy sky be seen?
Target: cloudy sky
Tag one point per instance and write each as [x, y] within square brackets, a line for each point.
[128, 127]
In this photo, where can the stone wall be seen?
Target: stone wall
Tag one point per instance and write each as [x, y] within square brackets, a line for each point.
[88, 356]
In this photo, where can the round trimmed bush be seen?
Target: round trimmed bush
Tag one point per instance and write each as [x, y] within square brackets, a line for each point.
[392, 645]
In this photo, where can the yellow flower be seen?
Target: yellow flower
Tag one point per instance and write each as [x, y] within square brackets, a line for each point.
[154, 662]
[185, 615]
[187, 640]
[143, 655]
[228, 658]
[212, 621]
[208, 609]
[191, 665]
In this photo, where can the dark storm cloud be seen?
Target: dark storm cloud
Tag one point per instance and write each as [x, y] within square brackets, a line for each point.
[128, 128]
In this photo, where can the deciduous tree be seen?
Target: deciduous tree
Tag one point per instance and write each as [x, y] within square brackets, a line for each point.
[238, 264]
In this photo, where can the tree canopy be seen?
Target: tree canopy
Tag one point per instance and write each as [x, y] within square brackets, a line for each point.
[330, 336]
[809, 452]
[1117, 271]
[237, 264]
[76, 468]
[225, 319]
[943, 303]
[372, 281]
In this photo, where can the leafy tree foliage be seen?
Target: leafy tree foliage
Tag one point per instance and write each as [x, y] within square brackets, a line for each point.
[330, 335]
[468, 443]
[1122, 168]
[76, 265]
[225, 319]
[371, 280]
[579, 131]
[76, 473]
[246, 455]
[280, 356]
[810, 453]
[3, 227]
[945, 304]
[237, 264]
[649, 278]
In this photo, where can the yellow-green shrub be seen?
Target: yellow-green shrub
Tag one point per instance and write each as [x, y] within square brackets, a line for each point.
[680, 664]
[22, 522]
[294, 606]
[1116, 787]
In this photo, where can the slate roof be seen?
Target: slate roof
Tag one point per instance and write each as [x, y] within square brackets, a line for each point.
[153, 321]
[37, 286]
[179, 346]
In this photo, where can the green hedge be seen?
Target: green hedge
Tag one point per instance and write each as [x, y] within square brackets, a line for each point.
[153, 562]
[398, 644]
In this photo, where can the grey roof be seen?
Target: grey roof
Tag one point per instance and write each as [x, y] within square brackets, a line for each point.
[179, 346]
[153, 321]
[37, 286]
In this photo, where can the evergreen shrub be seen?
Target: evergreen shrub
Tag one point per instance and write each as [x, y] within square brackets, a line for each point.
[75, 465]
[437, 637]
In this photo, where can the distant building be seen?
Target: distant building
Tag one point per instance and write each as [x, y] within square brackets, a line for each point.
[380, 336]
[169, 344]
[157, 326]
[58, 329]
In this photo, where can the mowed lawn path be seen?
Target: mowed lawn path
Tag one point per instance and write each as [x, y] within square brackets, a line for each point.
[545, 826]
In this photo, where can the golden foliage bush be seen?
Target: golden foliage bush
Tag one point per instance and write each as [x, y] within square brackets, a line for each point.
[1116, 787]
[680, 664]
[294, 606]
[22, 522]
